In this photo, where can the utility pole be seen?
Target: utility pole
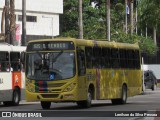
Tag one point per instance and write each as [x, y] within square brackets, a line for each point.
[131, 18]
[146, 31]
[12, 23]
[108, 19]
[7, 32]
[126, 15]
[136, 15]
[23, 23]
[154, 35]
[80, 20]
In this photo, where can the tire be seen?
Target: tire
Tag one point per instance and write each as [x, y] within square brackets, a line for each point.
[115, 101]
[154, 87]
[144, 88]
[123, 98]
[86, 103]
[124, 95]
[16, 97]
[45, 105]
[7, 103]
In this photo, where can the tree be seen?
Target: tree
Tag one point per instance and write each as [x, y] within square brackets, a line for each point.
[94, 23]
[93, 20]
[149, 11]
[12, 22]
[69, 20]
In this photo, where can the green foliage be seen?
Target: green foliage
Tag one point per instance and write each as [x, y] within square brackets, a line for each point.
[94, 24]
[146, 44]
[149, 13]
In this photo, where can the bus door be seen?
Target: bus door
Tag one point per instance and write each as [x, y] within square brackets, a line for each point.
[81, 74]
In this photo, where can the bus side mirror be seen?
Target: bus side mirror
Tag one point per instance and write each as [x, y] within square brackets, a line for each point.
[22, 57]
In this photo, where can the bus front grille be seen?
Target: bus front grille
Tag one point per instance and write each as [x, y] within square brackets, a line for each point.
[52, 85]
[49, 95]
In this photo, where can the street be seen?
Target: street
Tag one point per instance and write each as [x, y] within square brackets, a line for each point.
[149, 101]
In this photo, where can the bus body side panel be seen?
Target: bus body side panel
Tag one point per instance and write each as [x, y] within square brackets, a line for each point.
[6, 86]
[22, 85]
[111, 81]
[130, 76]
[134, 83]
[16, 80]
[91, 80]
[81, 88]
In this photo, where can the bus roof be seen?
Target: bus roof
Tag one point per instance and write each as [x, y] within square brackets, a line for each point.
[92, 43]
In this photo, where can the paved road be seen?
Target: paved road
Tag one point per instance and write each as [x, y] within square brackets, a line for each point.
[148, 103]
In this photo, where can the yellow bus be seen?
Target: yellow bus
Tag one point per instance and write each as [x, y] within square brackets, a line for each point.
[74, 70]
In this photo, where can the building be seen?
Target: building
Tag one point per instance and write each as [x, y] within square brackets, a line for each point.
[42, 20]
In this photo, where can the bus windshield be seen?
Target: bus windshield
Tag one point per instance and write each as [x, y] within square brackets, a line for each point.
[50, 65]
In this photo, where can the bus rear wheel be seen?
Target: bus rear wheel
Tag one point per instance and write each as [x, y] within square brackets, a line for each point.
[86, 103]
[123, 98]
[16, 97]
[154, 87]
[45, 105]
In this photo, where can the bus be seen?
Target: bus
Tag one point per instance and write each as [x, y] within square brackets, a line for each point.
[77, 70]
[12, 76]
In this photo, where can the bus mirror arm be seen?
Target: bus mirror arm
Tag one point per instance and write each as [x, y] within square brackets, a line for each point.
[22, 57]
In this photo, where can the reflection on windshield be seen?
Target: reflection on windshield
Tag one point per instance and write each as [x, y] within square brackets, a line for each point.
[50, 66]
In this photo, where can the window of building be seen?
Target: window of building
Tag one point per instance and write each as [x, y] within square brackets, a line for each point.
[28, 18]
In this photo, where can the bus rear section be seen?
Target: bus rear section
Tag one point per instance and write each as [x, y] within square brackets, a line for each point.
[12, 81]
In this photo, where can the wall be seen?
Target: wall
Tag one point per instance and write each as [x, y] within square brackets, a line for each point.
[47, 13]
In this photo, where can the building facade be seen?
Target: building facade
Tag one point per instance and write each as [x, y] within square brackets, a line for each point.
[42, 17]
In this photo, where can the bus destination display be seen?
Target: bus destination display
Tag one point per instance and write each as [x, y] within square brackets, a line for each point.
[50, 46]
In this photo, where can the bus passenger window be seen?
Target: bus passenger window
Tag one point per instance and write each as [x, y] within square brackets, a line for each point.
[115, 58]
[15, 61]
[106, 56]
[89, 52]
[97, 57]
[4, 60]
[81, 62]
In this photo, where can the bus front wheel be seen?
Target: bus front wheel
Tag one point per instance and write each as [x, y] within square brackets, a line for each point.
[123, 98]
[86, 103]
[45, 105]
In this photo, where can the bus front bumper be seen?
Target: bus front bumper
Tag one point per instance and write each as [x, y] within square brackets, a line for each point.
[64, 96]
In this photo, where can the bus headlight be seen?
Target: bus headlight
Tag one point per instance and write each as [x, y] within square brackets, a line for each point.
[70, 87]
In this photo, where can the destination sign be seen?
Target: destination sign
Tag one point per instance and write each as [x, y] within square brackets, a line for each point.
[41, 46]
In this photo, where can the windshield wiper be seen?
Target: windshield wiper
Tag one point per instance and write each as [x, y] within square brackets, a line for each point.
[39, 54]
[55, 59]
